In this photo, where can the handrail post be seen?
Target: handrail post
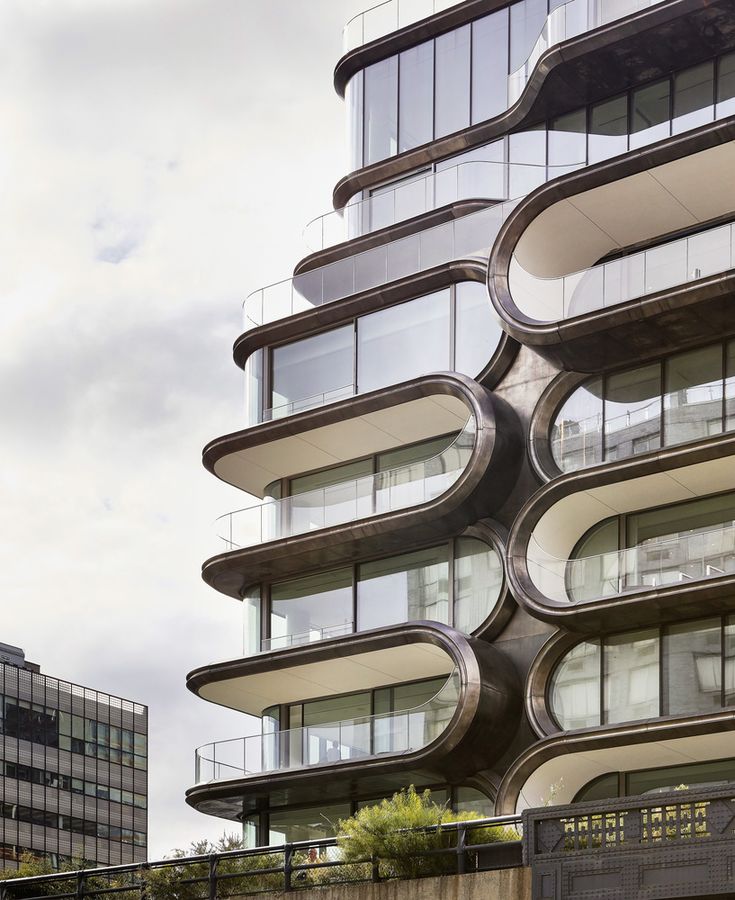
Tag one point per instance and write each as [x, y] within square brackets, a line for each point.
[212, 879]
[80, 884]
[461, 845]
[287, 867]
[375, 874]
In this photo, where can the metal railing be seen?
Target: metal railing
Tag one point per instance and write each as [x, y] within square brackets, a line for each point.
[314, 401]
[447, 849]
[347, 501]
[694, 556]
[312, 745]
[631, 277]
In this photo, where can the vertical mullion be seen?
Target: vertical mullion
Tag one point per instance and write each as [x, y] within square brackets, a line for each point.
[663, 634]
[723, 667]
[603, 711]
[355, 575]
[355, 386]
[450, 585]
[452, 327]
[664, 368]
[723, 382]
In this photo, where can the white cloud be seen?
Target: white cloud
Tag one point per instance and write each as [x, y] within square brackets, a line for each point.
[158, 159]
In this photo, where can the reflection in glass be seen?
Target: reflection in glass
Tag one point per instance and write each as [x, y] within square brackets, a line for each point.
[694, 97]
[416, 103]
[575, 687]
[306, 370]
[469, 800]
[730, 387]
[726, 85]
[381, 110]
[633, 412]
[478, 580]
[692, 664]
[631, 676]
[477, 330]
[311, 608]
[608, 129]
[650, 120]
[527, 19]
[657, 781]
[403, 341]
[576, 435]
[568, 140]
[309, 824]
[729, 662]
[452, 79]
[693, 398]
[595, 569]
[405, 588]
[489, 66]
[251, 606]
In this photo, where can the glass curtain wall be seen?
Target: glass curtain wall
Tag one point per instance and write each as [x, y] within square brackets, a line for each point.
[410, 587]
[658, 781]
[677, 670]
[687, 397]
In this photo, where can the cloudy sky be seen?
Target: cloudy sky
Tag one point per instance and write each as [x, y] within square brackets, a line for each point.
[158, 160]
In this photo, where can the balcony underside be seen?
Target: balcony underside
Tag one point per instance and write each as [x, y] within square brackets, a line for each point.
[486, 717]
[568, 224]
[571, 760]
[585, 69]
[559, 514]
[412, 411]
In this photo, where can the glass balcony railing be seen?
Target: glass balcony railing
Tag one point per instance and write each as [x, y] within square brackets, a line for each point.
[385, 18]
[692, 556]
[312, 634]
[371, 495]
[628, 278]
[303, 405]
[476, 180]
[312, 745]
[567, 21]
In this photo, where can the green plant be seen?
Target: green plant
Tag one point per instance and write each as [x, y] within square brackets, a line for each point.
[402, 832]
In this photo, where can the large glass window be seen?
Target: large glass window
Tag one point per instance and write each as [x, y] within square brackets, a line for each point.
[567, 141]
[402, 342]
[633, 412]
[651, 118]
[306, 370]
[694, 97]
[489, 66]
[477, 331]
[381, 110]
[478, 581]
[452, 112]
[692, 667]
[323, 498]
[404, 588]
[575, 687]
[726, 85]
[693, 397]
[608, 129]
[416, 97]
[311, 608]
[527, 19]
[631, 676]
[576, 435]
[289, 826]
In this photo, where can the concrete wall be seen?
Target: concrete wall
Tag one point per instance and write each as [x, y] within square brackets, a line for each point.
[505, 884]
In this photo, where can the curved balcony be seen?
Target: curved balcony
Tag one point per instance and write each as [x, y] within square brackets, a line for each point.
[372, 495]
[348, 740]
[378, 515]
[687, 570]
[551, 290]
[462, 730]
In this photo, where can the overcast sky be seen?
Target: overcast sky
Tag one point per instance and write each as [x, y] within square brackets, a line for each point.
[158, 161]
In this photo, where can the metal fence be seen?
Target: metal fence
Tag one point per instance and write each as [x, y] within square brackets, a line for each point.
[458, 848]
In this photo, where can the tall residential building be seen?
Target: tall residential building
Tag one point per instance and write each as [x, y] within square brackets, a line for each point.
[73, 767]
[491, 418]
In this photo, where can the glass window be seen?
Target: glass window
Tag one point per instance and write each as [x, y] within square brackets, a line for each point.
[452, 109]
[355, 116]
[305, 371]
[651, 114]
[489, 66]
[603, 788]
[576, 435]
[594, 570]
[527, 158]
[694, 97]
[470, 800]
[527, 20]
[305, 824]
[730, 386]
[726, 85]
[692, 668]
[477, 331]
[631, 676]
[381, 110]
[568, 141]
[406, 456]
[416, 96]
[403, 342]
[730, 661]
[693, 398]
[321, 499]
[254, 388]
[410, 587]
[311, 608]
[478, 580]
[575, 687]
[250, 622]
[661, 780]
[608, 129]
[337, 709]
[633, 412]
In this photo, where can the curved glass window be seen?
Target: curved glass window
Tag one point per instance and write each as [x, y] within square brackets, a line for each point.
[454, 329]
[657, 781]
[685, 541]
[410, 587]
[686, 397]
[676, 670]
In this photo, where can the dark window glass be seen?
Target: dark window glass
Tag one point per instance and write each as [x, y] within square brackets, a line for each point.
[633, 412]
[692, 665]
[661, 780]
[726, 85]
[568, 141]
[694, 97]
[608, 129]
[603, 788]
[693, 397]
[651, 114]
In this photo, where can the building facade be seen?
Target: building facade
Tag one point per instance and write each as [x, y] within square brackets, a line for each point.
[74, 770]
[491, 418]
